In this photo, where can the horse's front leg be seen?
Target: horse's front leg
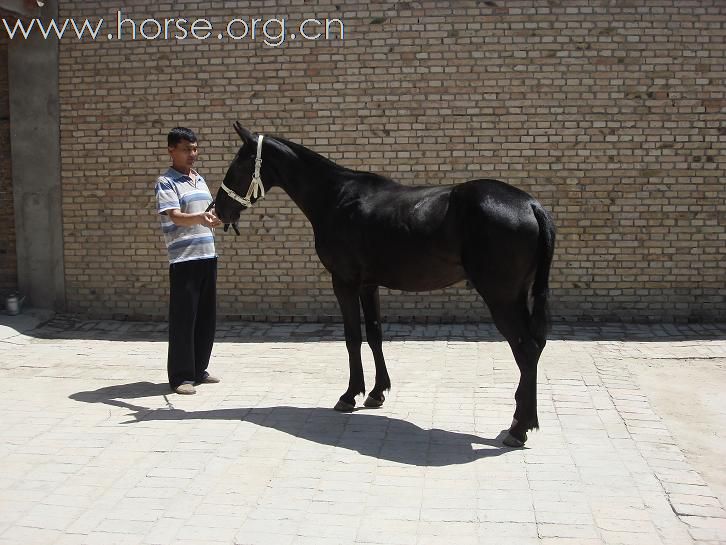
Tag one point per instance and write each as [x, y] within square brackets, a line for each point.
[372, 312]
[347, 296]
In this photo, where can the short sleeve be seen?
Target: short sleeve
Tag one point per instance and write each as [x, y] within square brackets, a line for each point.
[166, 196]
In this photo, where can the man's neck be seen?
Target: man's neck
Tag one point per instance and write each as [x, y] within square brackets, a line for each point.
[183, 169]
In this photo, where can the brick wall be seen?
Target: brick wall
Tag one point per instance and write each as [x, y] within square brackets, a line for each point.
[8, 257]
[611, 114]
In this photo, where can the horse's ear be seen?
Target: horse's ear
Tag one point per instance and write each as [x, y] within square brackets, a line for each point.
[246, 136]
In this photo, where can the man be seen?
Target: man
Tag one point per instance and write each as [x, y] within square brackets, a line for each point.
[183, 199]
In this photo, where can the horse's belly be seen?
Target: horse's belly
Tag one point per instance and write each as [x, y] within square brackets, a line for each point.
[416, 273]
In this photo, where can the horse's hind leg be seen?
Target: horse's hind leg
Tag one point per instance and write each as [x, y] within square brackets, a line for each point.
[513, 321]
[510, 313]
[372, 313]
[350, 308]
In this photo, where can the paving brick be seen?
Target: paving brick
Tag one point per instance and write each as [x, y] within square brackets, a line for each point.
[259, 466]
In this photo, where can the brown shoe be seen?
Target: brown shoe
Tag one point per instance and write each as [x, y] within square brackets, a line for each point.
[209, 379]
[185, 389]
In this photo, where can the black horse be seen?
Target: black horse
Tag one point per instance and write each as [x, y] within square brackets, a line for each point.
[371, 231]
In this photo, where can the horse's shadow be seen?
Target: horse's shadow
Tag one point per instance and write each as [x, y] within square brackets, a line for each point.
[374, 435]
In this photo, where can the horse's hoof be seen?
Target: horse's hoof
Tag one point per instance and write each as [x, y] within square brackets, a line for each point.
[513, 442]
[344, 407]
[373, 403]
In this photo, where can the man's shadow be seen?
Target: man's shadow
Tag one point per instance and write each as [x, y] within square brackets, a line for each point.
[378, 436]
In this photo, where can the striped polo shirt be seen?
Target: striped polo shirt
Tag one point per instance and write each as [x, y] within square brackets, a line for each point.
[190, 194]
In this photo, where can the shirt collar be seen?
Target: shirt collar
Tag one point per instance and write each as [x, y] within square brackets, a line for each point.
[193, 174]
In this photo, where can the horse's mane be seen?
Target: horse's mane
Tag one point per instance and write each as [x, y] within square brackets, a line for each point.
[313, 158]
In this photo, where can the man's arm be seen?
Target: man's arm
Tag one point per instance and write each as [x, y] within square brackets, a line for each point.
[208, 219]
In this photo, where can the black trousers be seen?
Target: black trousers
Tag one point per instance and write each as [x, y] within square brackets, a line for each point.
[192, 319]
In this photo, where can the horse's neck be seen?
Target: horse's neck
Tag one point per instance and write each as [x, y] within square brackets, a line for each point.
[313, 192]
[313, 195]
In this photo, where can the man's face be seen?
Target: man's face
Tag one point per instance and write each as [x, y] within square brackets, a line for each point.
[184, 153]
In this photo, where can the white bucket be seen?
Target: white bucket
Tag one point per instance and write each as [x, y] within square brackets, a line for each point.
[13, 304]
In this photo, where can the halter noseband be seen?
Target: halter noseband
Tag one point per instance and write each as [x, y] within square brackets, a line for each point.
[256, 189]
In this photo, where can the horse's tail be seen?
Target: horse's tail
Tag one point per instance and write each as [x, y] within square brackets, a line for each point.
[540, 319]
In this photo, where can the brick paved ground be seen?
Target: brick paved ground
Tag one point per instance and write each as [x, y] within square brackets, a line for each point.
[96, 450]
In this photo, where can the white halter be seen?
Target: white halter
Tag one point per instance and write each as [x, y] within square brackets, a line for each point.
[256, 189]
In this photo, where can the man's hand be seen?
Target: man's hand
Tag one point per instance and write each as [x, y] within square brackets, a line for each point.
[210, 220]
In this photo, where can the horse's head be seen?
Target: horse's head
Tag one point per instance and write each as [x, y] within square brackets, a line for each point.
[242, 185]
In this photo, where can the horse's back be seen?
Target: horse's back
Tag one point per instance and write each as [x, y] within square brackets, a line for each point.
[425, 204]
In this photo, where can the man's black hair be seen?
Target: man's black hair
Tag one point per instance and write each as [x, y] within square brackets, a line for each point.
[177, 134]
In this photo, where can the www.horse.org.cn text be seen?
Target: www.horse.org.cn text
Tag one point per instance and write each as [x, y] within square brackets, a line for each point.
[273, 31]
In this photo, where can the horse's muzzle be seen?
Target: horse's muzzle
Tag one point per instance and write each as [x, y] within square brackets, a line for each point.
[234, 227]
